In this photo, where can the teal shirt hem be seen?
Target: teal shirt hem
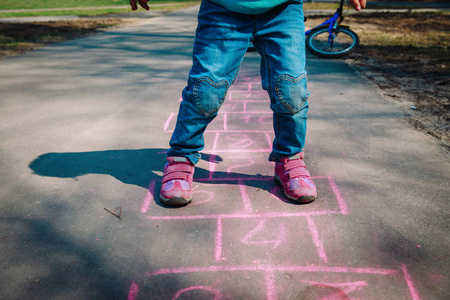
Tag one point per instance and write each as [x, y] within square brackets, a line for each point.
[249, 6]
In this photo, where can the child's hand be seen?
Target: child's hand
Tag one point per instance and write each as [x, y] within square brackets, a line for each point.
[358, 4]
[142, 3]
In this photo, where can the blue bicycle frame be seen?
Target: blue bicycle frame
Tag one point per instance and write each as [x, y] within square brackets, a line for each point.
[332, 24]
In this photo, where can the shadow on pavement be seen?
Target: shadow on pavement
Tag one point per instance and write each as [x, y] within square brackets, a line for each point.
[61, 266]
[136, 167]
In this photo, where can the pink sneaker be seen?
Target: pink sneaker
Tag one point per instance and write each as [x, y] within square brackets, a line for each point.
[291, 174]
[176, 187]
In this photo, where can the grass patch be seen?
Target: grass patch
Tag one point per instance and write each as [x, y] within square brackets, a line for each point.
[80, 13]
[17, 38]
[314, 5]
[96, 11]
[419, 30]
[41, 4]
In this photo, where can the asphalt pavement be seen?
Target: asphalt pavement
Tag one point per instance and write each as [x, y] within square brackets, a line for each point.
[84, 126]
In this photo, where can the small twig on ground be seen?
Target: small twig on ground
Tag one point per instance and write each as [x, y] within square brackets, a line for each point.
[434, 135]
[119, 216]
[391, 95]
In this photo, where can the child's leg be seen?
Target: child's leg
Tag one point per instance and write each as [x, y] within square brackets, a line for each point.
[222, 38]
[280, 39]
[220, 45]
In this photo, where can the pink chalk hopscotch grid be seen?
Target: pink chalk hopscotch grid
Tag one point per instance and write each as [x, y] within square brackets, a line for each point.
[242, 109]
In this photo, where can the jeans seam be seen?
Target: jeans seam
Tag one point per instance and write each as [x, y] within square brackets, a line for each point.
[235, 74]
[269, 72]
[278, 129]
[180, 115]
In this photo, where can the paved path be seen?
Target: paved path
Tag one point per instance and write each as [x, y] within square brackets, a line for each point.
[84, 126]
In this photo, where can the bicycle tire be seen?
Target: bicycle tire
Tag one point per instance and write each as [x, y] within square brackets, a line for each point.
[345, 42]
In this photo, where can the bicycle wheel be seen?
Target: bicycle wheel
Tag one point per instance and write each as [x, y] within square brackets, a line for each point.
[343, 42]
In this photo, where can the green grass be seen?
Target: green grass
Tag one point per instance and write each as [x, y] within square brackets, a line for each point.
[80, 13]
[86, 10]
[38, 4]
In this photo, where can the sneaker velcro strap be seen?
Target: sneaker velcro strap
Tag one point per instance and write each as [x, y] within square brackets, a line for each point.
[299, 172]
[292, 164]
[175, 175]
[178, 168]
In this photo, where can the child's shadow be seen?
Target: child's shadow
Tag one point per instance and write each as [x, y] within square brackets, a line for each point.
[138, 167]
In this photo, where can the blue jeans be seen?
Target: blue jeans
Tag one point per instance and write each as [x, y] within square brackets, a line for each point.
[222, 38]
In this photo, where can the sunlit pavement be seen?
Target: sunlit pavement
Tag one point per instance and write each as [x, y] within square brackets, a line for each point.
[84, 126]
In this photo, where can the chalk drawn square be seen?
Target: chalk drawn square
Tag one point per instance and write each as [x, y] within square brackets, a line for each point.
[238, 142]
[210, 201]
[249, 122]
[267, 196]
[259, 96]
[247, 84]
[254, 107]
[267, 240]
[178, 243]
[259, 195]
[235, 167]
